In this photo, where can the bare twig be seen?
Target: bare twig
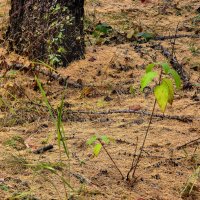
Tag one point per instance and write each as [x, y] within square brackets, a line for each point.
[174, 42]
[123, 38]
[175, 36]
[175, 64]
[166, 160]
[188, 143]
[111, 158]
[133, 162]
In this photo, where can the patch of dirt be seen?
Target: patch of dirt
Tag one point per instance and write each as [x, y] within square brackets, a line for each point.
[108, 71]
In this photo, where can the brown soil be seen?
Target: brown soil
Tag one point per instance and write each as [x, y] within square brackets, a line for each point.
[109, 71]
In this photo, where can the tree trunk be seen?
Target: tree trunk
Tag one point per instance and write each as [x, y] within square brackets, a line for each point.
[47, 30]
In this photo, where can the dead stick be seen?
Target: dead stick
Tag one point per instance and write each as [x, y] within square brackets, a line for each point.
[43, 149]
[175, 36]
[133, 161]
[188, 143]
[179, 118]
[161, 38]
[157, 38]
[175, 64]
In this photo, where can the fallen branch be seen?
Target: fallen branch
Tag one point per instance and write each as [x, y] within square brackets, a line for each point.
[157, 38]
[175, 37]
[122, 38]
[196, 141]
[141, 112]
[175, 64]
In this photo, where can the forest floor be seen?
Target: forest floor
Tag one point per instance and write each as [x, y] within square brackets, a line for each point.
[109, 70]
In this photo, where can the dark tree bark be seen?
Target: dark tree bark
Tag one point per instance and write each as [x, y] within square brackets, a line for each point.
[47, 30]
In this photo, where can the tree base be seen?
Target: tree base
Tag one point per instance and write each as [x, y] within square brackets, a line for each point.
[49, 30]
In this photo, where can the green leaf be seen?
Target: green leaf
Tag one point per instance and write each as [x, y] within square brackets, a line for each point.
[4, 187]
[105, 139]
[97, 149]
[165, 67]
[145, 35]
[12, 73]
[176, 77]
[46, 101]
[146, 79]
[49, 168]
[150, 67]
[162, 95]
[103, 28]
[92, 140]
[170, 90]
[62, 50]
[60, 128]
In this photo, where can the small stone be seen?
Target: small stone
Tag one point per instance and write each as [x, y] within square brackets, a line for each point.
[107, 98]
[2, 180]
[92, 59]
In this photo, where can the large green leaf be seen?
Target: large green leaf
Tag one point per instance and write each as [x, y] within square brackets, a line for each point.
[176, 77]
[150, 67]
[162, 95]
[170, 90]
[165, 67]
[97, 149]
[146, 79]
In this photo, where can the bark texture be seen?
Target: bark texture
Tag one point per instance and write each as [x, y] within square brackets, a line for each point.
[47, 30]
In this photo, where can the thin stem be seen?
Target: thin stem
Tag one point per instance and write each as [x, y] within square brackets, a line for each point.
[174, 42]
[111, 158]
[133, 161]
[145, 137]
[147, 131]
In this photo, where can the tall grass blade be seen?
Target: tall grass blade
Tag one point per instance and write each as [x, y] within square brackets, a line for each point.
[45, 98]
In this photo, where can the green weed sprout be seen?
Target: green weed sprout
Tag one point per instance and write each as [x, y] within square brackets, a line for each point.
[163, 91]
[98, 143]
